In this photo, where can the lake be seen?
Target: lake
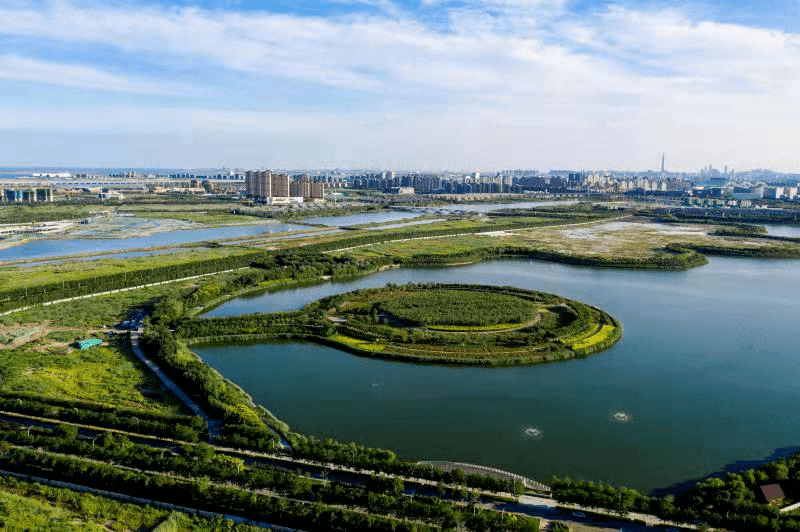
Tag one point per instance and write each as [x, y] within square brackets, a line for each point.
[707, 370]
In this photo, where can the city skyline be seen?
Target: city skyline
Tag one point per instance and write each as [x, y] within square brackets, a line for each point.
[412, 85]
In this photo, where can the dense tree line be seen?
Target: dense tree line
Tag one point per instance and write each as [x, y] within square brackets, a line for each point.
[308, 263]
[278, 322]
[199, 493]
[198, 465]
[725, 216]
[673, 258]
[774, 252]
[10, 299]
[218, 396]
[186, 428]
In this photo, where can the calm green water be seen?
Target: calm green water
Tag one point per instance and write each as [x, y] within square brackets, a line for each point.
[708, 369]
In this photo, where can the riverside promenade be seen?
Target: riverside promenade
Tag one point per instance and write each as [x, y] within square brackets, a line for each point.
[490, 471]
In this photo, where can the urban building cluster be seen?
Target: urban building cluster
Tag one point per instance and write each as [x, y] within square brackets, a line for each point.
[517, 182]
[432, 183]
[752, 188]
[280, 189]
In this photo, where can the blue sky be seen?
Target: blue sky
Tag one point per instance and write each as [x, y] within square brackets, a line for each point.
[402, 84]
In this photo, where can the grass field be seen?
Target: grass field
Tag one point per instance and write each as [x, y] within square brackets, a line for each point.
[36, 354]
[107, 374]
[444, 246]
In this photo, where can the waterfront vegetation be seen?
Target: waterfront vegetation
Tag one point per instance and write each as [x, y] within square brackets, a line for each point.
[43, 376]
[732, 501]
[473, 325]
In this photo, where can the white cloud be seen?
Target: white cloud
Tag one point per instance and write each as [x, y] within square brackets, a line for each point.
[505, 81]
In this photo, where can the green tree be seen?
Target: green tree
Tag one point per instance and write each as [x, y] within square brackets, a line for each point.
[68, 432]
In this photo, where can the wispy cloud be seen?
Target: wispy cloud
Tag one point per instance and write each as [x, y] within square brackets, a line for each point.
[18, 68]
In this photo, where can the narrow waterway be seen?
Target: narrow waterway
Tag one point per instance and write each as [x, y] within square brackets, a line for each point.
[707, 374]
[55, 247]
[783, 230]
[396, 215]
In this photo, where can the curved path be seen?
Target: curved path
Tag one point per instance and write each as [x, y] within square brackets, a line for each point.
[490, 471]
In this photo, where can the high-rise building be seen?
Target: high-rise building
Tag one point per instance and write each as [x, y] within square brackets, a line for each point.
[317, 190]
[258, 184]
[279, 186]
[265, 184]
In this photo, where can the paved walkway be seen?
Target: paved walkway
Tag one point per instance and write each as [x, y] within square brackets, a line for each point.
[169, 384]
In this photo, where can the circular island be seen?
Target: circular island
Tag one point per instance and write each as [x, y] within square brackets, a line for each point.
[464, 324]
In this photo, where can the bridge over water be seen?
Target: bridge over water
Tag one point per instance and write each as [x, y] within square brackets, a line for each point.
[490, 471]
